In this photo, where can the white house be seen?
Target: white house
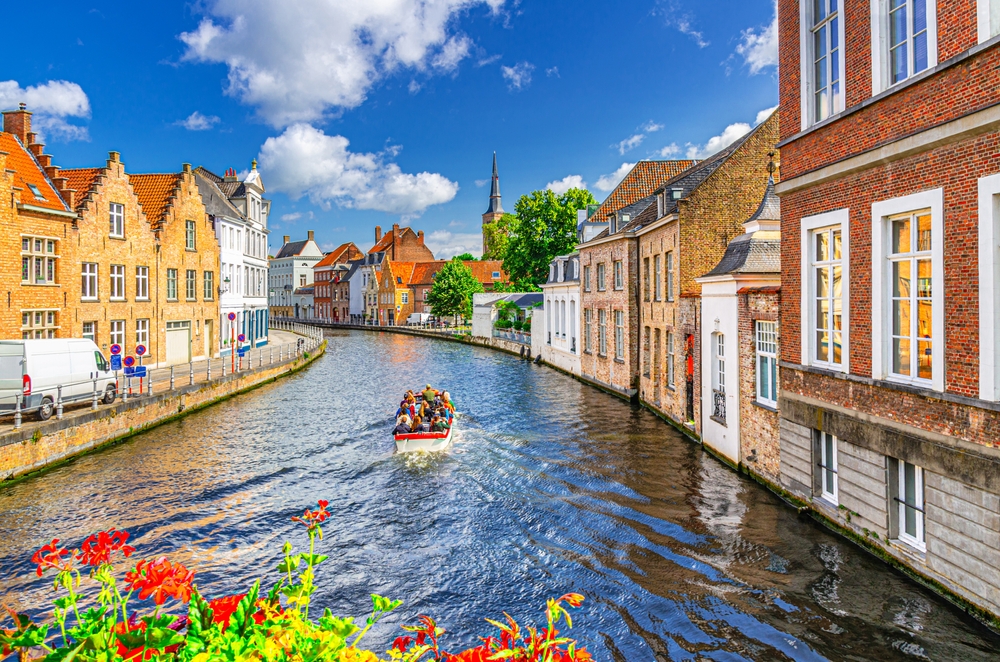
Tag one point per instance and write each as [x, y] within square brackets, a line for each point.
[485, 314]
[558, 340]
[291, 269]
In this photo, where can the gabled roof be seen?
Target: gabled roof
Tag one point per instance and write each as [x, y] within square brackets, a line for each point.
[642, 213]
[424, 272]
[154, 193]
[339, 255]
[386, 241]
[291, 249]
[483, 270]
[28, 172]
[81, 180]
[216, 202]
[644, 178]
[399, 272]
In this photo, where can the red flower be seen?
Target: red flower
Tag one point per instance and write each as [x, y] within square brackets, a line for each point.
[50, 556]
[224, 608]
[572, 599]
[313, 518]
[97, 549]
[161, 580]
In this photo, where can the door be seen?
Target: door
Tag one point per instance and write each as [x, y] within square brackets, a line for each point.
[209, 339]
[178, 342]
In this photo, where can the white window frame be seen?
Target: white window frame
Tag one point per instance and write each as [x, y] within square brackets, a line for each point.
[989, 288]
[117, 334]
[719, 362]
[807, 62]
[809, 225]
[142, 283]
[880, 44]
[602, 332]
[190, 235]
[117, 280]
[983, 16]
[881, 295]
[619, 274]
[404, 298]
[116, 220]
[920, 541]
[142, 332]
[658, 284]
[620, 334]
[670, 275]
[670, 359]
[89, 282]
[828, 465]
[588, 322]
[766, 346]
[92, 335]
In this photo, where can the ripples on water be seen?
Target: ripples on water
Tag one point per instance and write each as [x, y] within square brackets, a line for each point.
[551, 487]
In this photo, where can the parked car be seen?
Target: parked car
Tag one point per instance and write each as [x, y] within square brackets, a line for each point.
[418, 318]
[36, 368]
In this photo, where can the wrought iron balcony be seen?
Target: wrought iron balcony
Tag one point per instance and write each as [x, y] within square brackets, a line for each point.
[719, 404]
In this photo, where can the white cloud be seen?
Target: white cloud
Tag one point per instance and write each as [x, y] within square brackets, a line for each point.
[304, 161]
[198, 122]
[678, 18]
[651, 127]
[291, 218]
[414, 87]
[446, 245]
[630, 143]
[480, 183]
[763, 115]
[518, 77]
[554, 71]
[673, 149]
[319, 57]
[486, 61]
[759, 46]
[731, 134]
[608, 183]
[51, 103]
[560, 186]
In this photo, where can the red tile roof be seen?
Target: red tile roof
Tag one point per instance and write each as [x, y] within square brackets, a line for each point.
[27, 171]
[424, 272]
[81, 180]
[342, 253]
[386, 241]
[154, 193]
[400, 272]
[642, 180]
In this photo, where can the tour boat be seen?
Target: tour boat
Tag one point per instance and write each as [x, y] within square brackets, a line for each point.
[424, 441]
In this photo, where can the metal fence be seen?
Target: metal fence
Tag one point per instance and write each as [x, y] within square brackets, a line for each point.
[513, 336]
[163, 379]
[442, 328]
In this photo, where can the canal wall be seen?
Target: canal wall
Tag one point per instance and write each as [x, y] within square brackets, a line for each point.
[27, 451]
[508, 346]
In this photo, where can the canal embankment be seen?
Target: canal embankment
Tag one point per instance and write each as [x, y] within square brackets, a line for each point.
[33, 446]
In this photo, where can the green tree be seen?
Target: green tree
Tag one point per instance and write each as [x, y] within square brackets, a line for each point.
[453, 288]
[466, 257]
[543, 226]
[495, 236]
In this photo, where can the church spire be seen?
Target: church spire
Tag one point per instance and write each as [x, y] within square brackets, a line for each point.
[495, 206]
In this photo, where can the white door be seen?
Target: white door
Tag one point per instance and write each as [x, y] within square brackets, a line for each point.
[178, 342]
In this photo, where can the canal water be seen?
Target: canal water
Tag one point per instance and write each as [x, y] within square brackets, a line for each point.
[551, 487]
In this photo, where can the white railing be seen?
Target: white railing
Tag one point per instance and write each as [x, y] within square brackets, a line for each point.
[513, 336]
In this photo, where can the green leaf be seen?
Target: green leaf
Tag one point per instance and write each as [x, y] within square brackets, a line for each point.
[63, 654]
[133, 639]
[166, 620]
[275, 591]
[65, 602]
[342, 627]
[160, 638]
[290, 563]
[33, 635]
[243, 617]
[384, 605]
[314, 559]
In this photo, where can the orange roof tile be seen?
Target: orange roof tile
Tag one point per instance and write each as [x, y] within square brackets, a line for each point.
[386, 240]
[424, 272]
[342, 253]
[642, 180]
[154, 193]
[28, 173]
[483, 270]
[400, 271]
[81, 180]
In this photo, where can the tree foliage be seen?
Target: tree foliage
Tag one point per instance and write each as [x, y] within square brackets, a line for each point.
[453, 288]
[542, 227]
[466, 257]
[495, 236]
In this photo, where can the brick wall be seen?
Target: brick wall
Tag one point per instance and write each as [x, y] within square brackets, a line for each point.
[758, 426]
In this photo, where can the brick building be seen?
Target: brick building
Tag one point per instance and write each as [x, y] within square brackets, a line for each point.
[394, 297]
[698, 212]
[608, 307]
[402, 245]
[404, 286]
[38, 240]
[331, 297]
[890, 343]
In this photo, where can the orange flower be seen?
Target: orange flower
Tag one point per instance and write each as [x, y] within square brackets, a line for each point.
[313, 518]
[96, 550]
[572, 599]
[50, 556]
[161, 580]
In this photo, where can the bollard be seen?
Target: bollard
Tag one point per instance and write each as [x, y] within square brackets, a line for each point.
[171, 378]
[149, 383]
[250, 360]
[223, 368]
[93, 404]
[128, 385]
[59, 404]
[191, 373]
[209, 369]
[17, 412]
[270, 354]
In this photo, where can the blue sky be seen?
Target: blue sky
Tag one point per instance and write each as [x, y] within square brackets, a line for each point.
[386, 111]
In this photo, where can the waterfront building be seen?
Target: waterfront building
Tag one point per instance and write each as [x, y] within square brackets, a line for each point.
[39, 240]
[890, 335]
[608, 281]
[405, 286]
[369, 271]
[556, 337]
[402, 244]
[696, 214]
[394, 304]
[739, 303]
[290, 269]
[330, 298]
[495, 210]
[240, 215]
[303, 303]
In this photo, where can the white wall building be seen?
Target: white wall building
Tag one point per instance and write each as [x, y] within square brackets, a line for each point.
[557, 339]
[292, 268]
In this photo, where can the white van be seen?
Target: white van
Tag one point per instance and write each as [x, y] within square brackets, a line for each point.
[418, 318]
[36, 368]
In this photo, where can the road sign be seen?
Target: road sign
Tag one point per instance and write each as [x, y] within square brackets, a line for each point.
[241, 337]
[116, 349]
[231, 316]
[140, 350]
[137, 372]
[241, 352]
[129, 361]
[116, 361]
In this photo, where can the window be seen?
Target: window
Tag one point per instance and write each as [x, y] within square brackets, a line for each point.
[88, 284]
[767, 363]
[118, 334]
[39, 324]
[646, 356]
[905, 41]
[171, 285]
[619, 335]
[909, 498]
[989, 287]
[37, 192]
[989, 19]
[302, 281]
[658, 287]
[38, 261]
[142, 332]
[912, 307]
[826, 285]
[719, 377]
[495, 275]
[191, 285]
[426, 292]
[823, 96]
[404, 298]
[670, 359]
[116, 220]
[142, 283]
[601, 277]
[602, 332]
[189, 235]
[619, 281]
[586, 278]
[645, 278]
[827, 466]
[670, 275]
[117, 282]
[90, 331]
[209, 285]
[588, 320]
[657, 360]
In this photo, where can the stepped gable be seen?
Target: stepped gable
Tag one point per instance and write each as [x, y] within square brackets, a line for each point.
[84, 181]
[28, 172]
[156, 193]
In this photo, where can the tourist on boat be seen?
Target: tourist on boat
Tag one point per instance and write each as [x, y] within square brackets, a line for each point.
[441, 425]
[421, 425]
[405, 409]
[425, 409]
[403, 425]
[429, 394]
[446, 401]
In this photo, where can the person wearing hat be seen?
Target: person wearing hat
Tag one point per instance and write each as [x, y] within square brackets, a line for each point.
[429, 394]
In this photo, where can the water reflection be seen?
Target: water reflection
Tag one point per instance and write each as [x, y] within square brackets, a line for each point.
[551, 487]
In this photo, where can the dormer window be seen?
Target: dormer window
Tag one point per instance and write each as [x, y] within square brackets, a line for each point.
[676, 193]
[36, 192]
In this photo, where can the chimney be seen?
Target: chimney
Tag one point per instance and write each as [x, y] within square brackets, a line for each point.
[312, 236]
[186, 167]
[286, 238]
[395, 230]
[18, 122]
[378, 233]
[420, 237]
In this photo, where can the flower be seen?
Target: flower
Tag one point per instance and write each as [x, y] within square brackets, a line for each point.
[161, 580]
[50, 556]
[312, 518]
[572, 599]
[224, 608]
[96, 550]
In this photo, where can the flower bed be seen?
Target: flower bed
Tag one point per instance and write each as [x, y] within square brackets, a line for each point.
[95, 618]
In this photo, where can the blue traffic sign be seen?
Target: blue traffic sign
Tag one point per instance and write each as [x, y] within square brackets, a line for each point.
[116, 349]
[242, 351]
[140, 350]
[241, 337]
[137, 372]
[116, 361]
[129, 361]
[232, 316]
